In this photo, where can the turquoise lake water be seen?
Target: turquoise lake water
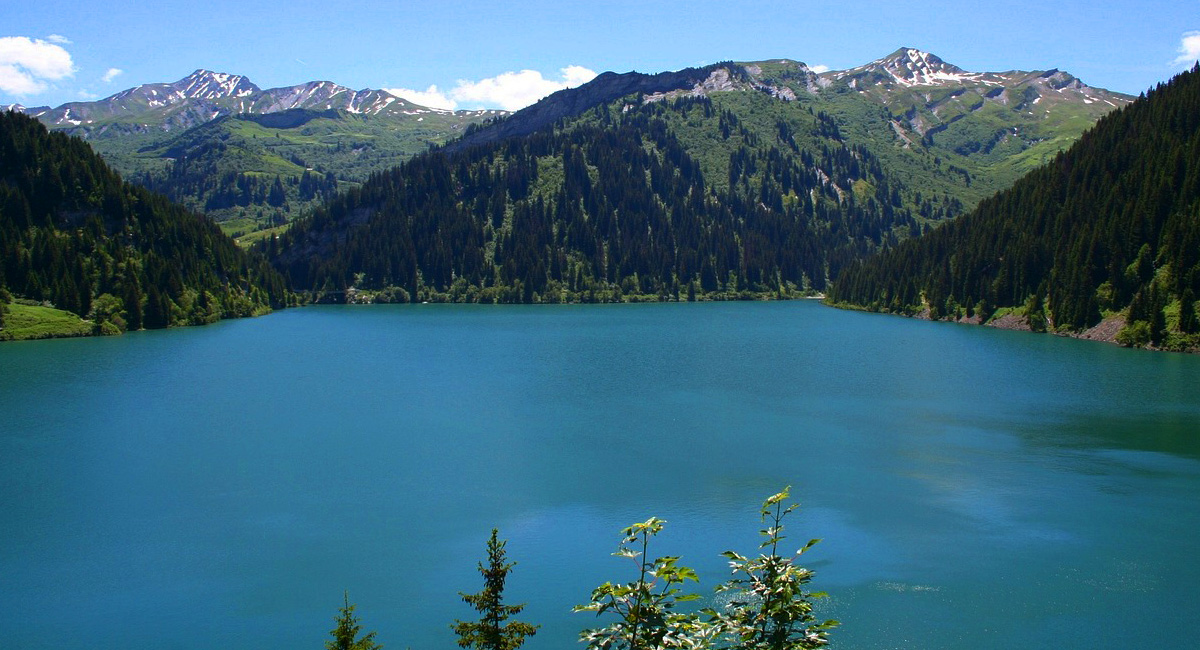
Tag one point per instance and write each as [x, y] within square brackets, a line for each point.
[220, 487]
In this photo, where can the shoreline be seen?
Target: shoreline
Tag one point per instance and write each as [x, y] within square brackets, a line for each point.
[1103, 332]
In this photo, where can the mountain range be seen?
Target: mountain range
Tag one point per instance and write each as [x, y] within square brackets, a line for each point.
[731, 180]
[924, 96]
[205, 95]
[208, 142]
[253, 158]
[921, 90]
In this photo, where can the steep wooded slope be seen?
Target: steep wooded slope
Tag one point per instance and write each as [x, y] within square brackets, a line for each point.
[1110, 226]
[728, 194]
[73, 234]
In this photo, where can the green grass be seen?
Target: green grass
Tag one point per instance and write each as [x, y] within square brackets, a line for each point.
[26, 322]
[236, 226]
[251, 238]
[863, 190]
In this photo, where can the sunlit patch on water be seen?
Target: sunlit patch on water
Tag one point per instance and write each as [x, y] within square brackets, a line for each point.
[904, 587]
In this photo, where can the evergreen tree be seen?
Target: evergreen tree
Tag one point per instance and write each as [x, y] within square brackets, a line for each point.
[1187, 312]
[491, 632]
[345, 635]
[133, 303]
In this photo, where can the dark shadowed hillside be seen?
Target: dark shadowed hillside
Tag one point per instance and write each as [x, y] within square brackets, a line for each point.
[1110, 228]
[73, 235]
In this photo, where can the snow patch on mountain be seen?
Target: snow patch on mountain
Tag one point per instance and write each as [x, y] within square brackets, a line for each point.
[912, 67]
[204, 84]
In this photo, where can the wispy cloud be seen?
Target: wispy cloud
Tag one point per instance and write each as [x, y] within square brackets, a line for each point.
[111, 74]
[510, 90]
[58, 38]
[1189, 49]
[28, 65]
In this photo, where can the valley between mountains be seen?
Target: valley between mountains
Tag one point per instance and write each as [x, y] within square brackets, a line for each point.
[731, 181]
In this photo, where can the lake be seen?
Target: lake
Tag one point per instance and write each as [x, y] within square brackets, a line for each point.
[221, 487]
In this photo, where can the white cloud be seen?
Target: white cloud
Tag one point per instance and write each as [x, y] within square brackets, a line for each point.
[26, 65]
[510, 90]
[111, 74]
[1189, 49]
[87, 96]
[576, 75]
[57, 38]
[430, 97]
[819, 68]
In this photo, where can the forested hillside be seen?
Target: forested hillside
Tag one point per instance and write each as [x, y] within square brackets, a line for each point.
[253, 159]
[249, 172]
[75, 236]
[735, 195]
[728, 181]
[1109, 228]
[250, 158]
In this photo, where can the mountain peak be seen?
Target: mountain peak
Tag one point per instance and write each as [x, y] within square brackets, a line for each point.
[206, 84]
[909, 66]
[917, 58]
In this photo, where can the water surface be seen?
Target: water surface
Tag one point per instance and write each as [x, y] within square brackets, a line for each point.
[220, 487]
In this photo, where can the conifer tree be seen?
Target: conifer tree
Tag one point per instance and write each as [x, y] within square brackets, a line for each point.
[345, 635]
[1187, 312]
[491, 632]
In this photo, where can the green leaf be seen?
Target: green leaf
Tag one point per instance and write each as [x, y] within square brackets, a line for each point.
[780, 496]
[811, 543]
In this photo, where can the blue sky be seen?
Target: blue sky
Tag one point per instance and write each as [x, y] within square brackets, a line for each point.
[469, 54]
